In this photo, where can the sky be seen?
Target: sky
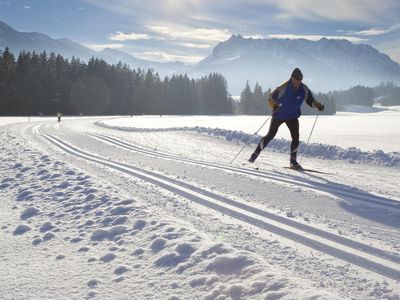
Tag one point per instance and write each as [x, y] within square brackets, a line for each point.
[187, 31]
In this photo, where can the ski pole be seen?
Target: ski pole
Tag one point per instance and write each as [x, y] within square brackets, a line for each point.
[251, 139]
[312, 129]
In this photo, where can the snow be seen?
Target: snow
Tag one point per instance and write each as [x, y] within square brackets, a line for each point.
[149, 207]
[352, 137]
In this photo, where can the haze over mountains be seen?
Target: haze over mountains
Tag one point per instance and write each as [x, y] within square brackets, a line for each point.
[19, 41]
[326, 64]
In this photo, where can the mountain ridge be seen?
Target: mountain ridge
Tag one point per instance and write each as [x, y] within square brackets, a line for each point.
[34, 41]
[327, 64]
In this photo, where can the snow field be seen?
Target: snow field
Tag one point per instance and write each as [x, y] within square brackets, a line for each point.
[252, 264]
[77, 237]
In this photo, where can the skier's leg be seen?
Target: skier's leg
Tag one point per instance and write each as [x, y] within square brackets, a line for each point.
[293, 125]
[273, 129]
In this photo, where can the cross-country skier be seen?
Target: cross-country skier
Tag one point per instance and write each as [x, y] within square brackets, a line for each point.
[285, 102]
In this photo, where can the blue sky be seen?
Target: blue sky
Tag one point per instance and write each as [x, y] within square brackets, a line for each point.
[187, 30]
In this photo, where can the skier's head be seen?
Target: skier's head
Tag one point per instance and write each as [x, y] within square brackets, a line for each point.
[296, 77]
[297, 74]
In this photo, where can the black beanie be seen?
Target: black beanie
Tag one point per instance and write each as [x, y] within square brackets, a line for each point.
[297, 74]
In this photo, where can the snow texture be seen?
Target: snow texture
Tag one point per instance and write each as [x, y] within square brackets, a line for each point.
[155, 213]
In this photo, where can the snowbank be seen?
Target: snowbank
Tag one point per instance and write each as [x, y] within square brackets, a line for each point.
[316, 150]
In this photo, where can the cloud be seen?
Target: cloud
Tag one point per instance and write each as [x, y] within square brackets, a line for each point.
[120, 36]
[391, 48]
[370, 11]
[196, 38]
[317, 37]
[192, 45]
[165, 57]
[27, 7]
[255, 36]
[181, 26]
[369, 32]
[155, 9]
[376, 31]
[99, 47]
[205, 35]
[183, 11]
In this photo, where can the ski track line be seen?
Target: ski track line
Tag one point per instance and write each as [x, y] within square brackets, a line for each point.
[35, 129]
[60, 128]
[231, 208]
[307, 183]
[309, 229]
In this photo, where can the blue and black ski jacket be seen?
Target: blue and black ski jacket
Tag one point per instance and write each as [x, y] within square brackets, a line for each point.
[289, 100]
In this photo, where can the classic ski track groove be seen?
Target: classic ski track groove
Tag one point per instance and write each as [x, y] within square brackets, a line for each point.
[254, 216]
[311, 185]
[324, 234]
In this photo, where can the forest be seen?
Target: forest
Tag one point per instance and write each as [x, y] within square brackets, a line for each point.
[254, 101]
[41, 84]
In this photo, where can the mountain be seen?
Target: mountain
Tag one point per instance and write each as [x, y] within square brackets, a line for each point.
[326, 64]
[33, 41]
[114, 56]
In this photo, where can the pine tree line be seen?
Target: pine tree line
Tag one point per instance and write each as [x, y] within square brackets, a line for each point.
[358, 95]
[37, 83]
[387, 94]
[254, 102]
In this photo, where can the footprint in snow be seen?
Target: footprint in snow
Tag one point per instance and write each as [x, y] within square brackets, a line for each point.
[62, 185]
[183, 252]
[21, 229]
[158, 245]
[121, 270]
[48, 236]
[93, 283]
[60, 256]
[25, 195]
[47, 226]
[37, 241]
[29, 213]
[137, 252]
[108, 257]
[4, 185]
[83, 249]
[139, 224]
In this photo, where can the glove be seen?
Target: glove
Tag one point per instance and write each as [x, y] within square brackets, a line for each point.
[320, 106]
[277, 106]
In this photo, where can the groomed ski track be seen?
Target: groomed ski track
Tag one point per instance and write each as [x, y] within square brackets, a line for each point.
[309, 184]
[356, 253]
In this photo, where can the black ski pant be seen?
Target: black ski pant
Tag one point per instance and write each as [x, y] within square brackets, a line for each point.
[292, 124]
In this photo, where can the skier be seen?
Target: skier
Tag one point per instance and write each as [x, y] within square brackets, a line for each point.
[285, 102]
[59, 117]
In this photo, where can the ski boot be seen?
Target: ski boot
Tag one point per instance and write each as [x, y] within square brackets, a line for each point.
[253, 158]
[295, 165]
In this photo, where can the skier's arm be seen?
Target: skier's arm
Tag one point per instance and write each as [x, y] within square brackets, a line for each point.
[273, 99]
[314, 103]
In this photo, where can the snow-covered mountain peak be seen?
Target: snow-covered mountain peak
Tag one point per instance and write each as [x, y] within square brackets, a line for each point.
[330, 63]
